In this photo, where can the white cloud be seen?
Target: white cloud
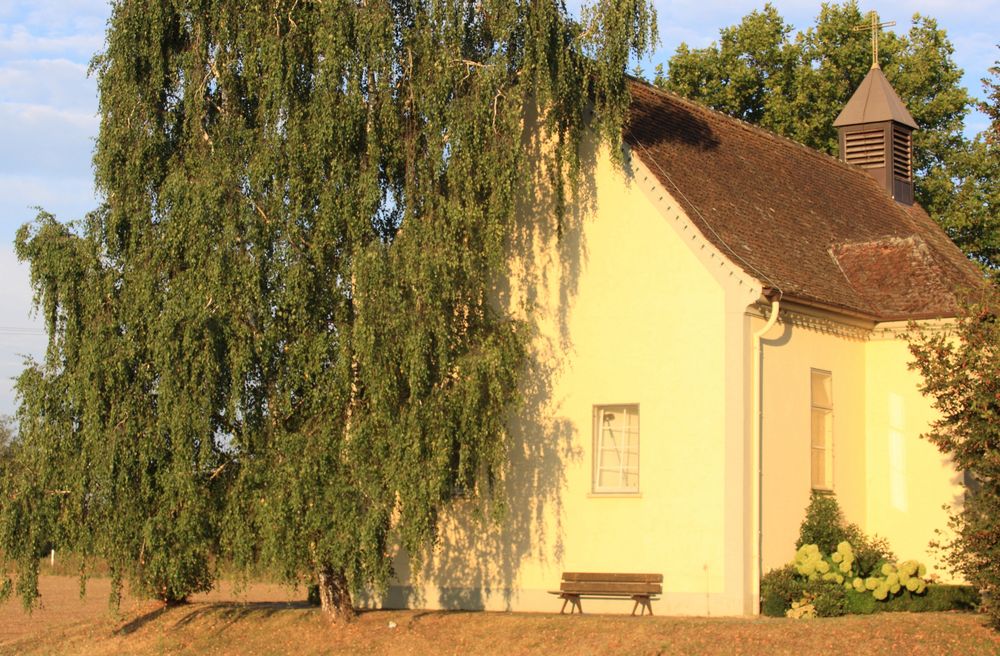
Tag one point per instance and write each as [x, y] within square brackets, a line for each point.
[64, 28]
[18, 41]
[45, 140]
[58, 83]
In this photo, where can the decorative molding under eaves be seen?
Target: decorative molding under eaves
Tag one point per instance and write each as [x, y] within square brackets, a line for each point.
[898, 329]
[815, 320]
[826, 325]
[830, 323]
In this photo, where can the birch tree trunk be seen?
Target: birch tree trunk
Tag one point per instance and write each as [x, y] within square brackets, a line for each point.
[335, 595]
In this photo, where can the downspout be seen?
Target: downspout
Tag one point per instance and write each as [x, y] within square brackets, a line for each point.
[757, 453]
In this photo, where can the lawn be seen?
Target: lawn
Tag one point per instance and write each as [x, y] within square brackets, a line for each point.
[268, 619]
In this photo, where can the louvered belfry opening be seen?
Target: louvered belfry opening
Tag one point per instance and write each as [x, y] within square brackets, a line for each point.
[865, 148]
[901, 148]
[902, 164]
[875, 134]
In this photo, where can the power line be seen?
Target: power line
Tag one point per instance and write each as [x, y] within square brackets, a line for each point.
[20, 331]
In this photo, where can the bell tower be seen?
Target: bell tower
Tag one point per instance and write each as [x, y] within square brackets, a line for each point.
[875, 129]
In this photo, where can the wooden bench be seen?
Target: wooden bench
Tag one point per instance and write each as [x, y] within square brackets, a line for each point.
[640, 588]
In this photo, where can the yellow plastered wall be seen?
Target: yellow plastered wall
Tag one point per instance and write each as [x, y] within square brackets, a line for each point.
[629, 305]
[792, 349]
[909, 480]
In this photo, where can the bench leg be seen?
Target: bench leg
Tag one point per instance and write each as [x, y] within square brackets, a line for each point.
[571, 599]
[644, 602]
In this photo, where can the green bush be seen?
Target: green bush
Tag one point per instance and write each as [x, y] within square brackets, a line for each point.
[778, 589]
[830, 599]
[825, 526]
[837, 569]
[861, 603]
[781, 587]
[869, 553]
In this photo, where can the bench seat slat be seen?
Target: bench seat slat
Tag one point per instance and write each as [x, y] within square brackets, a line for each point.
[612, 577]
[578, 587]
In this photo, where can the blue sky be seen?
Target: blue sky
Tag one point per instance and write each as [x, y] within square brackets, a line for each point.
[48, 107]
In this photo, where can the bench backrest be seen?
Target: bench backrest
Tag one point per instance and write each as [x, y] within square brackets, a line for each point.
[611, 583]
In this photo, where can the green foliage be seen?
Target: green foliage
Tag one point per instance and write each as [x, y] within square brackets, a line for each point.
[844, 571]
[833, 585]
[829, 600]
[796, 83]
[834, 554]
[861, 602]
[279, 341]
[824, 525]
[779, 588]
[972, 219]
[870, 552]
[960, 373]
[7, 439]
[782, 589]
[936, 598]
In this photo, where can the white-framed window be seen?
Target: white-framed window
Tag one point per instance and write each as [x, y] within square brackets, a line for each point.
[616, 449]
[821, 440]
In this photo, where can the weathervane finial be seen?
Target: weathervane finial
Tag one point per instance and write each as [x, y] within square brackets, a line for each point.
[874, 26]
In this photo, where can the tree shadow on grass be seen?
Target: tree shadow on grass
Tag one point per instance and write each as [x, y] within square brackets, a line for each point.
[229, 612]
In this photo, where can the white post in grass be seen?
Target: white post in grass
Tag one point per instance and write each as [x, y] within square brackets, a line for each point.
[52, 558]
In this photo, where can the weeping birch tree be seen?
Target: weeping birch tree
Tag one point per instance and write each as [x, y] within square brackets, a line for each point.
[277, 343]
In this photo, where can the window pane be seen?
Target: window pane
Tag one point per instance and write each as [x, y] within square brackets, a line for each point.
[821, 446]
[819, 469]
[616, 448]
[822, 389]
[819, 428]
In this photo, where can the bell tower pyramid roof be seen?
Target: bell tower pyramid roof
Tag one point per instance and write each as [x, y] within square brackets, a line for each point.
[874, 101]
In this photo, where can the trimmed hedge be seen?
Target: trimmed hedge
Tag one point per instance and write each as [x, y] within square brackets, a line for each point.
[936, 598]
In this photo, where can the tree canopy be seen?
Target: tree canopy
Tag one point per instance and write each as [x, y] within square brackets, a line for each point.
[973, 215]
[796, 82]
[278, 341]
[959, 371]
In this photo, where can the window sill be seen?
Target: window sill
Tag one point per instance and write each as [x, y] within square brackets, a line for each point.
[614, 495]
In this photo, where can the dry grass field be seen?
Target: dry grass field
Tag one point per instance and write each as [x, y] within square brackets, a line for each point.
[268, 619]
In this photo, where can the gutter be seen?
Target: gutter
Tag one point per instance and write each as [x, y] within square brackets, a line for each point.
[756, 450]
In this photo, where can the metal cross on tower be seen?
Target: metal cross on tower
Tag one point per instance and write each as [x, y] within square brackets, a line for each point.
[874, 26]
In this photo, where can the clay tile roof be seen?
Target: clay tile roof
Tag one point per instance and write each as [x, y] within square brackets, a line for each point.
[874, 101]
[897, 275]
[823, 232]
